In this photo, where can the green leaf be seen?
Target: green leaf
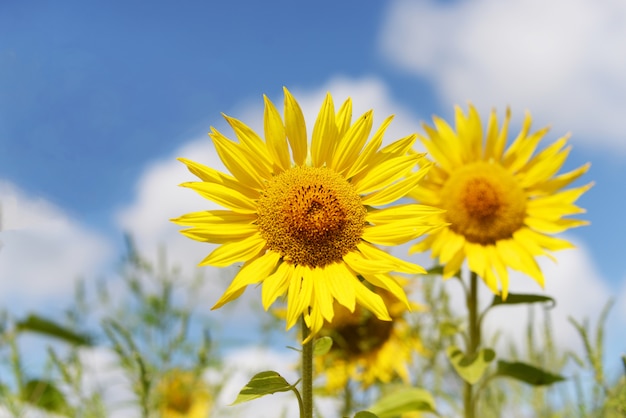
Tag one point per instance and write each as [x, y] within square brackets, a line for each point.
[365, 414]
[470, 368]
[37, 324]
[526, 373]
[44, 395]
[402, 401]
[514, 299]
[322, 346]
[264, 383]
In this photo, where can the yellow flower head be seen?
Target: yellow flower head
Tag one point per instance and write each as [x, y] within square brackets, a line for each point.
[502, 205]
[366, 349]
[303, 216]
[181, 395]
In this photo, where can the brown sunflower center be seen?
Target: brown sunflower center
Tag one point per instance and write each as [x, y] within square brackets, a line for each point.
[484, 203]
[178, 395]
[311, 216]
[363, 337]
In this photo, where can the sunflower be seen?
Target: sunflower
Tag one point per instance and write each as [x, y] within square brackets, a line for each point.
[181, 395]
[502, 205]
[302, 216]
[366, 349]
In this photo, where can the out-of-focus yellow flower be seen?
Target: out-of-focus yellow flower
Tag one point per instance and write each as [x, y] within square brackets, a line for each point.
[303, 216]
[180, 394]
[366, 349]
[503, 204]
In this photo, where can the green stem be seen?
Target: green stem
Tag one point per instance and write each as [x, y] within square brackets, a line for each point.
[473, 342]
[307, 372]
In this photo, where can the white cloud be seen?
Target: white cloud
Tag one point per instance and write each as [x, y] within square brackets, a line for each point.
[563, 60]
[43, 250]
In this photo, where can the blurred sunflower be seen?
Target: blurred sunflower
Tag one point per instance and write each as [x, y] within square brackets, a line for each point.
[366, 349]
[180, 394]
[304, 221]
[502, 205]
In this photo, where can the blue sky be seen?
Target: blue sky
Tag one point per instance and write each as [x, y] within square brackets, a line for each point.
[98, 98]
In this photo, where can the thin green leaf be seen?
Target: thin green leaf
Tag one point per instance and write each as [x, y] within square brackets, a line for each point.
[37, 324]
[526, 373]
[470, 368]
[514, 299]
[264, 383]
[402, 401]
[45, 395]
[322, 346]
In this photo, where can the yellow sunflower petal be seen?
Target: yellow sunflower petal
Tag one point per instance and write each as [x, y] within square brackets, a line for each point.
[235, 251]
[295, 128]
[351, 144]
[323, 295]
[214, 217]
[250, 140]
[396, 233]
[373, 253]
[386, 173]
[366, 157]
[388, 283]
[275, 136]
[213, 176]
[221, 234]
[240, 161]
[373, 302]
[454, 265]
[471, 129]
[276, 284]
[324, 133]
[299, 294]
[341, 284]
[344, 118]
[563, 180]
[223, 196]
[252, 272]
[394, 192]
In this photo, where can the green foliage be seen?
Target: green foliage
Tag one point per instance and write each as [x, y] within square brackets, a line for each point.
[515, 299]
[261, 384]
[45, 395]
[40, 325]
[402, 401]
[322, 346]
[526, 373]
[470, 367]
[365, 414]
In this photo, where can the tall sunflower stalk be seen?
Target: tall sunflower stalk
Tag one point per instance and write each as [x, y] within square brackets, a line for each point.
[306, 218]
[501, 206]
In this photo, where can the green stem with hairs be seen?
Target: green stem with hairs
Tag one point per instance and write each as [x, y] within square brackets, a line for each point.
[307, 372]
[469, 403]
